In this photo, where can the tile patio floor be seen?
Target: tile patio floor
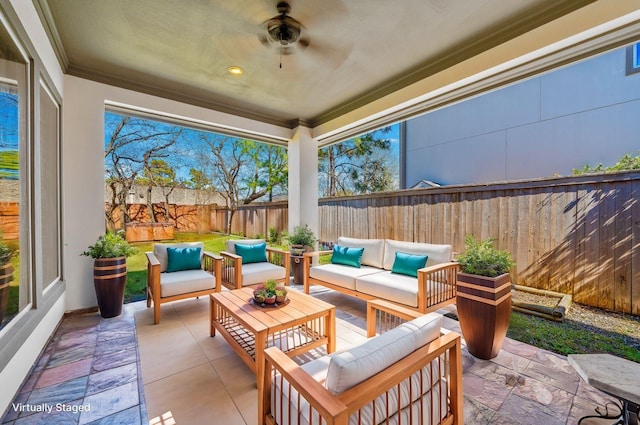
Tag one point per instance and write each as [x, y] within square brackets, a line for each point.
[177, 374]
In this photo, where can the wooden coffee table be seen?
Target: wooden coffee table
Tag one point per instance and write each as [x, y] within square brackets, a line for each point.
[301, 325]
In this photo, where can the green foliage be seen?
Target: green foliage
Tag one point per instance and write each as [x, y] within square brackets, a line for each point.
[5, 253]
[8, 164]
[569, 337]
[626, 163]
[110, 245]
[481, 258]
[302, 236]
[358, 165]
[275, 237]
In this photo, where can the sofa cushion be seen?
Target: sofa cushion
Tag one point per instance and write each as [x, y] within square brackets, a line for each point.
[183, 259]
[252, 253]
[437, 253]
[373, 249]
[408, 263]
[350, 367]
[160, 251]
[254, 273]
[341, 275]
[347, 256]
[231, 243]
[185, 281]
[398, 288]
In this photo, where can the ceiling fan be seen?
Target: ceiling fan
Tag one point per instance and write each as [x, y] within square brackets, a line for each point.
[283, 32]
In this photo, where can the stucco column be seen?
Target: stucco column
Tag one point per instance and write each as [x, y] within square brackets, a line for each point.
[303, 180]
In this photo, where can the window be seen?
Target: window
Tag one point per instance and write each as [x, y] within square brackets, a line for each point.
[633, 58]
[15, 294]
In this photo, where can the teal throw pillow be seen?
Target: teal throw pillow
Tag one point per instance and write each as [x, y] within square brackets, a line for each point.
[347, 256]
[179, 259]
[256, 253]
[408, 264]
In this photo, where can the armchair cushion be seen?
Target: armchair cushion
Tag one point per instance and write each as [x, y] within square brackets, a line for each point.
[254, 253]
[160, 251]
[231, 243]
[254, 273]
[185, 281]
[183, 259]
[349, 368]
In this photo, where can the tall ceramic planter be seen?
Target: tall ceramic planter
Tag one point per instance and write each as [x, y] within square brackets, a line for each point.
[484, 310]
[6, 276]
[109, 279]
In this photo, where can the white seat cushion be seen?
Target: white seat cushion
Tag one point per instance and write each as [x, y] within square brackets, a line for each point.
[398, 288]
[185, 281]
[160, 251]
[254, 273]
[436, 254]
[373, 249]
[341, 275]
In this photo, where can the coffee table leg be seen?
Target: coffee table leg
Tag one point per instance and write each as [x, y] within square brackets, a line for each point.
[330, 329]
[261, 340]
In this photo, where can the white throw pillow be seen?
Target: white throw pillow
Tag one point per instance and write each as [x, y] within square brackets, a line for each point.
[373, 249]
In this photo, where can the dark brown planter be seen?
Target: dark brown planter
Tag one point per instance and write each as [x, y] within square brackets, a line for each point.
[484, 309]
[6, 276]
[109, 279]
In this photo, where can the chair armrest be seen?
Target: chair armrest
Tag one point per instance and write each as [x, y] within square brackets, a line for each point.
[382, 316]
[319, 398]
[153, 275]
[225, 254]
[280, 256]
[212, 264]
[212, 255]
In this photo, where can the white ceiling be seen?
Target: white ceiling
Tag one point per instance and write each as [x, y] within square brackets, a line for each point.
[359, 51]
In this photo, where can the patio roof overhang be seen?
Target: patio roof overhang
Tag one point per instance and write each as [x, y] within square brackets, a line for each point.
[367, 64]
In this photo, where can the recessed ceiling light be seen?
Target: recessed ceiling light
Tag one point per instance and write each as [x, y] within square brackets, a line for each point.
[235, 70]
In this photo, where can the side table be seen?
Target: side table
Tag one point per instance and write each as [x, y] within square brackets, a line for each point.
[615, 376]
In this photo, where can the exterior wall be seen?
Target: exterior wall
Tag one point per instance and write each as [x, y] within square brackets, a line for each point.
[585, 113]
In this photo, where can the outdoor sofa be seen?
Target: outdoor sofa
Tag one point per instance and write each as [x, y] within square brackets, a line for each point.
[377, 275]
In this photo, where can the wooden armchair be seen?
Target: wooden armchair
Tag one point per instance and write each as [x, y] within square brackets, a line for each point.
[259, 264]
[394, 382]
[174, 272]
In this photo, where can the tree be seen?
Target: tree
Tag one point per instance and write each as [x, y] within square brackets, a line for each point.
[130, 145]
[244, 170]
[358, 165]
[158, 173]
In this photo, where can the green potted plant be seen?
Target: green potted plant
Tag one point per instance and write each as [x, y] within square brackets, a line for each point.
[300, 241]
[270, 293]
[483, 296]
[6, 276]
[110, 254]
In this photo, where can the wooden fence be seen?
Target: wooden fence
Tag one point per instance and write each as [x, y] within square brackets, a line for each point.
[575, 235]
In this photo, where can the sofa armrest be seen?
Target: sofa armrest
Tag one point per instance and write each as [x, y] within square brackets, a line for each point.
[437, 286]
[307, 258]
[322, 402]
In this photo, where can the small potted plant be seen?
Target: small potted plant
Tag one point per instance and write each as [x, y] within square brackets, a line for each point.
[281, 294]
[259, 294]
[270, 286]
[6, 276]
[483, 297]
[110, 254]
